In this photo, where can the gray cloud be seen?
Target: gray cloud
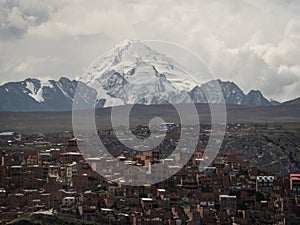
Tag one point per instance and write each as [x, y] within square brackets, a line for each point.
[253, 43]
[17, 16]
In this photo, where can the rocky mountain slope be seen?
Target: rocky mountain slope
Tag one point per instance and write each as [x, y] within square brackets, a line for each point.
[36, 95]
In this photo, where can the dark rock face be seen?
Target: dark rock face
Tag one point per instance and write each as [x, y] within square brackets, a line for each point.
[33, 95]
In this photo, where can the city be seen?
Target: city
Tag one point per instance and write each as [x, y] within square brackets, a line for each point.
[47, 174]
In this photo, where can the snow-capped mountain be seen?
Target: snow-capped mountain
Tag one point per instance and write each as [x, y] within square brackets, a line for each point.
[130, 73]
[210, 92]
[232, 94]
[133, 73]
[36, 95]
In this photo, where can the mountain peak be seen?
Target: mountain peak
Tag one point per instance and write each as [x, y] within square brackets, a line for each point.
[31, 80]
[132, 63]
[255, 92]
[126, 43]
[256, 98]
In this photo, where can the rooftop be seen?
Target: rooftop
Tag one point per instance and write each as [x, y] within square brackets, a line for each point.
[71, 153]
[227, 196]
[7, 133]
[147, 199]
[265, 178]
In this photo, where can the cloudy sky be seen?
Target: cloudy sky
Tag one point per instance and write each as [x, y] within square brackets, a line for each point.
[255, 43]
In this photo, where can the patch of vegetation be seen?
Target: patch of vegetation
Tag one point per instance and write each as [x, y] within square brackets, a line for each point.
[41, 219]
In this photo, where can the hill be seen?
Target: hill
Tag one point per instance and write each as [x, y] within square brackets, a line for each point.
[51, 122]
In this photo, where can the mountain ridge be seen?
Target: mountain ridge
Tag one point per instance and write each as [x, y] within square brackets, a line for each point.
[26, 96]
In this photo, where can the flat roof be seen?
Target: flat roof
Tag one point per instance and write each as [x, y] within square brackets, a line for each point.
[294, 175]
[265, 178]
[106, 209]
[19, 194]
[69, 197]
[227, 196]
[161, 190]
[9, 133]
[147, 199]
[71, 153]
[16, 167]
[93, 159]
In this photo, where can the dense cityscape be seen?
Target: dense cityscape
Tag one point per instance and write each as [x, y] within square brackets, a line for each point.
[48, 175]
